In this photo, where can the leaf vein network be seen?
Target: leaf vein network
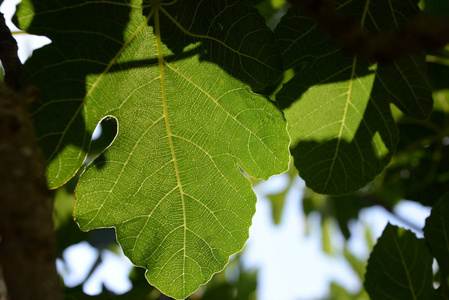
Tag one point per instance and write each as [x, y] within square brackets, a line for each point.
[200, 36]
[97, 81]
[213, 161]
[168, 130]
[123, 168]
[222, 108]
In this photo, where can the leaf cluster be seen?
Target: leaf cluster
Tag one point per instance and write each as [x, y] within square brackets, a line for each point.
[194, 98]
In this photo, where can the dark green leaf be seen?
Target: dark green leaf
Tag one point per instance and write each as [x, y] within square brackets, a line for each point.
[400, 267]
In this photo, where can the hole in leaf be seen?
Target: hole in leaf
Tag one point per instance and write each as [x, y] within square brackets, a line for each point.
[103, 136]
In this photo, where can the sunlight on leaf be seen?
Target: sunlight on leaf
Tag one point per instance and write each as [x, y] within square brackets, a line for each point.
[178, 84]
[338, 106]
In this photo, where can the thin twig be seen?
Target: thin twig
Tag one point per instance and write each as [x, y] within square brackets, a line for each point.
[370, 198]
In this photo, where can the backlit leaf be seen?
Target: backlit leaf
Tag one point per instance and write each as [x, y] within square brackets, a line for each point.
[338, 106]
[176, 76]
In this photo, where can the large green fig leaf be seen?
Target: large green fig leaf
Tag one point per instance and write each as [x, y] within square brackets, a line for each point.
[176, 76]
[338, 105]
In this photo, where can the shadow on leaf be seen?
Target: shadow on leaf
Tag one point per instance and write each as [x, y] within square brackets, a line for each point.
[72, 71]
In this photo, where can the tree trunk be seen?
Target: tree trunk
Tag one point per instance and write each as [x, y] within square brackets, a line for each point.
[27, 243]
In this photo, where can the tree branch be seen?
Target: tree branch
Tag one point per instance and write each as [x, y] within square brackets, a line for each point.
[372, 199]
[424, 32]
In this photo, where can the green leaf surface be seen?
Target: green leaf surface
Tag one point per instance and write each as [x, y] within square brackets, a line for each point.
[177, 79]
[337, 105]
[110, 41]
[400, 267]
[436, 233]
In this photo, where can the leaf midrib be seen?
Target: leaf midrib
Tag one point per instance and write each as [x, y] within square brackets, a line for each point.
[222, 108]
[404, 264]
[161, 63]
[348, 101]
[343, 122]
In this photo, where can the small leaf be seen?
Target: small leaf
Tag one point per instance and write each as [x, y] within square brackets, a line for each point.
[278, 200]
[326, 229]
[277, 205]
[338, 106]
[400, 267]
[357, 265]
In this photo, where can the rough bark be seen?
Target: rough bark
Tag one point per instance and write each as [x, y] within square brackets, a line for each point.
[27, 243]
